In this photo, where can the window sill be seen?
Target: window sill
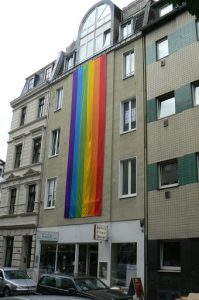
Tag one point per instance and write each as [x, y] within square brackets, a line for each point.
[169, 271]
[128, 76]
[49, 208]
[55, 155]
[127, 196]
[58, 109]
[128, 131]
[169, 186]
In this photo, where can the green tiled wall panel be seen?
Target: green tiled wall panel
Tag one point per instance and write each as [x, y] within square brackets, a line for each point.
[151, 110]
[152, 177]
[183, 98]
[177, 40]
[187, 169]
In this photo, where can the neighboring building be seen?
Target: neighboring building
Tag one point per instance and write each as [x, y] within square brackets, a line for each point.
[172, 77]
[92, 211]
[19, 207]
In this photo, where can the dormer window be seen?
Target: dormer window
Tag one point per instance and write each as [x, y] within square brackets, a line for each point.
[31, 83]
[69, 62]
[127, 29]
[95, 33]
[165, 9]
[48, 73]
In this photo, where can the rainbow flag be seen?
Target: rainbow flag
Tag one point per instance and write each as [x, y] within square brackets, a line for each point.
[84, 181]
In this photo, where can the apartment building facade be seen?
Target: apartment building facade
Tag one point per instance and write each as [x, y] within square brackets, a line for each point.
[172, 76]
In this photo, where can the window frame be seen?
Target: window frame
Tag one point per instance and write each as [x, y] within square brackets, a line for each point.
[121, 177]
[53, 201]
[122, 117]
[59, 98]
[31, 83]
[160, 172]
[162, 266]
[12, 203]
[132, 64]
[17, 161]
[48, 72]
[23, 115]
[69, 62]
[158, 43]
[55, 143]
[162, 8]
[31, 198]
[41, 107]
[36, 152]
[128, 24]
[165, 98]
[195, 86]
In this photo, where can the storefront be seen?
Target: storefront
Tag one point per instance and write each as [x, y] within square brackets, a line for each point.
[112, 251]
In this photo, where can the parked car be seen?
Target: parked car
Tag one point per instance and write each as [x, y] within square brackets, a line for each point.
[85, 286]
[42, 297]
[14, 281]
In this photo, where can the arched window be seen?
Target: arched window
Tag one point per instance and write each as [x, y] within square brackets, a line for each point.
[95, 32]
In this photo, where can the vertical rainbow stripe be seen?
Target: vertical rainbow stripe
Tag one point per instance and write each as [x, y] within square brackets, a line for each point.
[87, 137]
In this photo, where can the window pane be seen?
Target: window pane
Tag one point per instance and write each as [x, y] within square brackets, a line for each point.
[162, 49]
[99, 42]
[126, 116]
[196, 94]
[133, 114]
[133, 176]
[125, 177]
[171, 254]
[47, 258]
[167, 107]
[169, 173]
[66, 258]
[107, 38]
[90, 48]
[166, 9]
[129, 64]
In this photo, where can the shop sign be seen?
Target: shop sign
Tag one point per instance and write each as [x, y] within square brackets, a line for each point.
[48, 236]
[101, 232]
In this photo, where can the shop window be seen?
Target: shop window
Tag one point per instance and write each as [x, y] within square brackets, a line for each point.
[36, 150]
[166, 105]
[8, 251]
[66, 258]
[23, 115]
[170, 255]
[40, 108]
[59, 99]
[13, 193]
[128, 177]
[165, 9]
[129, 64]
[128, 115]
[168, 171]
[18, 150]
[162, 48]
[47, 258]
[55, 138]
[196, 93]
[123, 263]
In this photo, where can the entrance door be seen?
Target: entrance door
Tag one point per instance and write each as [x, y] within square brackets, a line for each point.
[93, 260]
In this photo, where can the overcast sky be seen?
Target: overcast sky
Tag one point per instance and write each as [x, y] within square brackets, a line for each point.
[32, 34]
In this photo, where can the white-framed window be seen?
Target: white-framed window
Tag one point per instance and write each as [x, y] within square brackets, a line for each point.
[127, 29]
[95, 34]
[128, 64]
[166, 105]
[127, 186]
[128, 115]
[55, 139]
[170, 255]
[165, 9]
[196, 93]
[59, 99]
[162, 48]
[168, 173]
[69, 62]
[48, 73]
[31, 83]
[51, 189]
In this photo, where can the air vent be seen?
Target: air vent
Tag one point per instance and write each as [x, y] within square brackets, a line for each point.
[166, 122]
[163, 63]
[167, 195]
